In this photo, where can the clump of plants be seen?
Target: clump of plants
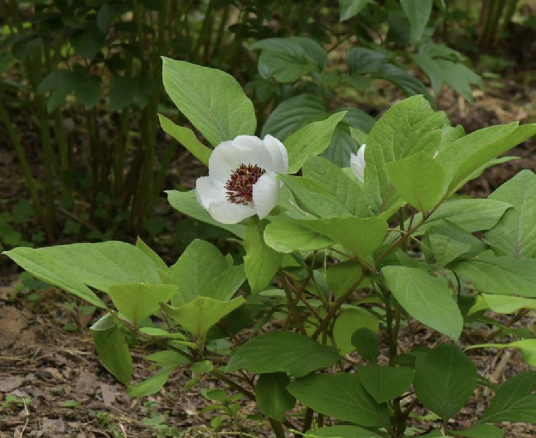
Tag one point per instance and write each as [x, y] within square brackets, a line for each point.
[338, 266]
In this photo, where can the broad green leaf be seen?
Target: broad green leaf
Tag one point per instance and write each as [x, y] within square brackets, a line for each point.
[418, 13]
[385, 383]
[187, 138]
[504, 304]
[432, 70]
[151, 385]
[350, 8]
[272, 396]
[196, 268]
[313, 198]
[155, 258]
[460, 78]
[419, 180]
[340, 396]
[347, 323]
[137, 301]
[360, 236]
[466, 155]
[211, 99]
[224, 286]
[444, 380]
[186, 203]
[500, 275]
[275, 352]
[88, 42]
[427, 299]
[344, 188]
[261, 262]
[112, 348]
[479, 431]
[515, 234]
[514, 401]
[408, 127]
[365, 342]
[526, 346]
[446, 249]
[288, 236]
[341, 276]
[167, 358]
[109, 12]
[312, 139]
[341, 432]
[199, 315]
[158, 332]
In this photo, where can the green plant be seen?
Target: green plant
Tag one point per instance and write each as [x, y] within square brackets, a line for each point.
[336, 267]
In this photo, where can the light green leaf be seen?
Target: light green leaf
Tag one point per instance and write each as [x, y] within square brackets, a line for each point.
[500, 275]
[196, 268]
[418, 13]
[350, 8]
[426, 298]
[272, 396]
[347, 323]
[199, 315]
[460, 78]
[341, 276]
[312, 139]
[186, 203]
[504, 304]
[275, 352]
[158, 332]
[432, 70]
[385, 383]
[515, 234]
[224, 286]
[340, 396]
[151, 385]
[419, 180]
[514, 401]
[526, 346]
[211, 99]
[167, 358]
[479, 431]
[187, 138]
[288, 236]
[137, 301]
[341, 432]
[155, 258]
[408, 127]
[112, 348]
[261, 262]
[444, 380]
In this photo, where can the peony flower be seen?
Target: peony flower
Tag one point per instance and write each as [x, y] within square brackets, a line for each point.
[242, 178]
[357, 163]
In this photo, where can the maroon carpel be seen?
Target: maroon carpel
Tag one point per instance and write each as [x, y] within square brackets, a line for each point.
[239, 187]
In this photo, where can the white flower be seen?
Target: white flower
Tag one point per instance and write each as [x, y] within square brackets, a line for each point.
[357, 163]
[242, 178]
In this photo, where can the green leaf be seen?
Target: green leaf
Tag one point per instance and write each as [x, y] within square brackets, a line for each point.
[342, 432]
[418, 13]
[112, 348]
[109, 12]
[288, 236]
[151, 385]
[504, 304]
[187, 138]
[199, 315]
[347, 323]
[275, 352]
[341, 276]
[337, 183]
[500, 275]
[361, 236]
[155, 258]
[515, 234]
[158, 332]
[444, 380]
[426, 298]
[419, 180]
[88, 42]
[272, 396]
[212, 100]
[526, 346]
[138, 301]
[365, 342]
[514, 401]
[385, 383]
[312, 139]
[340, 396]
[460, 78]
[408, 127]
[465, 156]
[224, 285]
[432, 70]
[479, 431]
[261, 262]
[186, 203]
[350, 8]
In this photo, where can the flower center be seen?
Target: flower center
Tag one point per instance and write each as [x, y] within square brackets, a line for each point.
[240, 184]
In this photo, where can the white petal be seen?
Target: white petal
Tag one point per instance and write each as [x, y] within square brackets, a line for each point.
[253, 151]
[357, 164]
[265, 194]
[209, 190]
[223, 161]
[278, 152]
[228, 213]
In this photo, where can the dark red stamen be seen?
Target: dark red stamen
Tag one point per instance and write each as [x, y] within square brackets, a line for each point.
[240, 185]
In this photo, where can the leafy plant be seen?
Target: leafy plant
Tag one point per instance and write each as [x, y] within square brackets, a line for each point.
[338, 266]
